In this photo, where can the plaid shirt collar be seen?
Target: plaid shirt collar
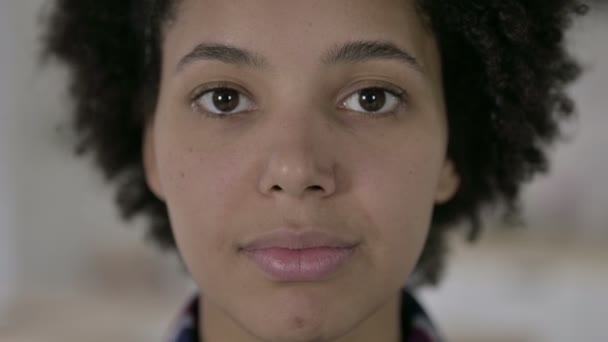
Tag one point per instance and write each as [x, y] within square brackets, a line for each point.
[415, 323]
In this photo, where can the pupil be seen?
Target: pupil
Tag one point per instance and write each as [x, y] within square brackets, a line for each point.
[226, 100]
[372, 99]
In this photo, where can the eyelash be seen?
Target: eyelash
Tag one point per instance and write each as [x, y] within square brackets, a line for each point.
[400, 95]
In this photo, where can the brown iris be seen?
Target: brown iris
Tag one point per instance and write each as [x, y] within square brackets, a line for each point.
[372, 99]
[226, 100]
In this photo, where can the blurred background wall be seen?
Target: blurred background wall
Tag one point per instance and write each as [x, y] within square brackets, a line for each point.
[62, 246]
[65, 257]
[7, 176]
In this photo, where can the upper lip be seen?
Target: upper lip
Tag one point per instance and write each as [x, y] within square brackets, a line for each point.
[283, 238]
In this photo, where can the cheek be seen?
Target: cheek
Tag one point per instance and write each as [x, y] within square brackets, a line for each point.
[198, 186]
[396, 198]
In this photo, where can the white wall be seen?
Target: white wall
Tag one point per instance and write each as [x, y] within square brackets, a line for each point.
[8, 265]
[61, 217]
[55, 211]
[573, 198]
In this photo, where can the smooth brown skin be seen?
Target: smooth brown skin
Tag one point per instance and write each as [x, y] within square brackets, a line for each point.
[226, 181]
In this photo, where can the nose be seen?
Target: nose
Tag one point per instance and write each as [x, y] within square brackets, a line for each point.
[300, 163]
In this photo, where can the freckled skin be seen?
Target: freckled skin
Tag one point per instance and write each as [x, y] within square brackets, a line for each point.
[225, 181]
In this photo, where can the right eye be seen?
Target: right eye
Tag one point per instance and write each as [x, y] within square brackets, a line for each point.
[218, 102]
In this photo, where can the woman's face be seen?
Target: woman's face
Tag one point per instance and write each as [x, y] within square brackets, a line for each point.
[331, 120]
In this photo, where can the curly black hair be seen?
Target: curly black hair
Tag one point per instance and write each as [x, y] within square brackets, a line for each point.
[505, 73]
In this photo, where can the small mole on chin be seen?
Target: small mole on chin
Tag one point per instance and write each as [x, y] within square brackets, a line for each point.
[298, 323]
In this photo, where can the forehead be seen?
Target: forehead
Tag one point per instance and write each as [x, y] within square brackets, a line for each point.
[297, 31]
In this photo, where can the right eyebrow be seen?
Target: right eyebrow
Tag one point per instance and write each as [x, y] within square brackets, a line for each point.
[223, 53]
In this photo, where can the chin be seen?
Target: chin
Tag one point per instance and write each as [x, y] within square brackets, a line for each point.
[294, 330]
[295, 322]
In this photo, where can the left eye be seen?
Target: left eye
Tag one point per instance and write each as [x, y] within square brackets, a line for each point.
[373, 100]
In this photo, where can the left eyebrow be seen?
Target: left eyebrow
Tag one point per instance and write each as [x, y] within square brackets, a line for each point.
[365, 50]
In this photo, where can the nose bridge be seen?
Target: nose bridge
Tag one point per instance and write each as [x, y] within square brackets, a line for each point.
[299, 157]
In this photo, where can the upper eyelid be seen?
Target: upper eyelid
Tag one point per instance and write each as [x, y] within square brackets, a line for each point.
[203, 89]
[399, 92]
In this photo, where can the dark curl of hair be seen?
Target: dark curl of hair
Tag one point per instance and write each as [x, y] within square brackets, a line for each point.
[505, 70]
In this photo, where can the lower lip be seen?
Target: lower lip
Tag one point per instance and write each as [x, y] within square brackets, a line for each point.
[310, 264]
